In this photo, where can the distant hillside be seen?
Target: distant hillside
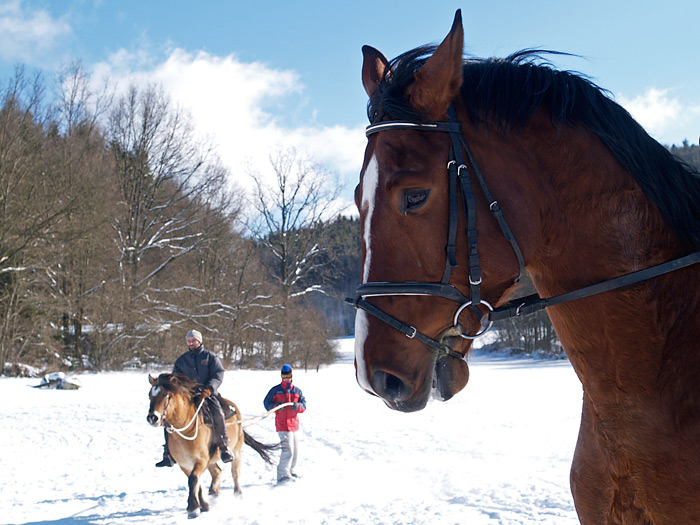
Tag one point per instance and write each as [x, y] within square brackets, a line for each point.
[688, 153]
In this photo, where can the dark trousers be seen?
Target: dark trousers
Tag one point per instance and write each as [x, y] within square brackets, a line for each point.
[217, 417]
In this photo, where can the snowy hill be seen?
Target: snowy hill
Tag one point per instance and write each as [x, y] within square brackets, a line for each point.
[498, 453]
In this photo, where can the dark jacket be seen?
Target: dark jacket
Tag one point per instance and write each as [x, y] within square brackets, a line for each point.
[202, 366]
[286, 419]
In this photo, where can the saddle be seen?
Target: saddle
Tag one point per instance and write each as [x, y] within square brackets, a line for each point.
[227, 406]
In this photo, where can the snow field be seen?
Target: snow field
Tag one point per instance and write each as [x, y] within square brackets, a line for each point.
[497, 453]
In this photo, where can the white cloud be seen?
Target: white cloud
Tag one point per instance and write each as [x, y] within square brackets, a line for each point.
[26, 35]
[234, 103]
[664, 117]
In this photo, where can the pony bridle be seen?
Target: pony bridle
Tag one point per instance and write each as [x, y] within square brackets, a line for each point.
[459, 184]
[459, 176]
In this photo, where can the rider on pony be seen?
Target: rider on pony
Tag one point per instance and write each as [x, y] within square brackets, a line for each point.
[205, 367]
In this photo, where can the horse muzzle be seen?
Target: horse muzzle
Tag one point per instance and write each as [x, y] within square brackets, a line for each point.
[154, 418]
[397, 393]
[409, 390]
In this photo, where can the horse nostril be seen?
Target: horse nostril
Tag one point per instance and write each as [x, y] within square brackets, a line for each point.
[393, 385]
[152, 419]
[390, 387]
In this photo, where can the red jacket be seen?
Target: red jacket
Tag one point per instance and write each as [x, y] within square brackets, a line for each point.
[286, 419]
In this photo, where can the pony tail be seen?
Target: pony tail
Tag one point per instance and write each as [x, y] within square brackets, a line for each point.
[260, 448]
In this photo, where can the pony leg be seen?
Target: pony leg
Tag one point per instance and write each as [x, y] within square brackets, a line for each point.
[236, 470]
[202, 500]
[236, 440]
[195, 500]
[215, 486]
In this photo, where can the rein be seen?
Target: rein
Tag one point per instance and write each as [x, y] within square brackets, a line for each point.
[459, 176]
[245, 423]
[179, 431]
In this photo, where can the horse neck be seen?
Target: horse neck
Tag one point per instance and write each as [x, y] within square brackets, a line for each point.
[181, 411]
[592, 222]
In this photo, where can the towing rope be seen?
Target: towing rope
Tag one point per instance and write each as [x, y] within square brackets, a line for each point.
[245, 422]
[259, 418]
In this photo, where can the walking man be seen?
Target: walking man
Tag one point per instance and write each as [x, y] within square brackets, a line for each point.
[286, 422]
[205, 367]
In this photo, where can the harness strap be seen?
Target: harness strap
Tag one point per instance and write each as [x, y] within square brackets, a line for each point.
[469, 208]
[496, 210]
[452, 221]
[447, 126]
[446, 291]
[533, 303]
[409, 331]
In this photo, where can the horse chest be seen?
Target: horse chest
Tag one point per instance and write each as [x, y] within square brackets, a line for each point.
[188, 454]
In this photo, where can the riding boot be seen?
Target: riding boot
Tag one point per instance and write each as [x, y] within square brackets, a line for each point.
[167, 460]
[217, 416]
[226, 455]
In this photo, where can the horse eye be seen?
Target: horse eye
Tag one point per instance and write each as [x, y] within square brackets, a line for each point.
[414, 199]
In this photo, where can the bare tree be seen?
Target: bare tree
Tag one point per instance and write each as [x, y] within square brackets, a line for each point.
[168, 181]
[33, 201]
[81, 265]
[233, 300]
[290, 210]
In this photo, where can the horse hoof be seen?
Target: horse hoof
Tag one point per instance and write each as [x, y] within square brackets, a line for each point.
[193, 514]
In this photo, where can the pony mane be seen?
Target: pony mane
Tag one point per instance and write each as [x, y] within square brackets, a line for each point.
[506, 92]
[178, 384]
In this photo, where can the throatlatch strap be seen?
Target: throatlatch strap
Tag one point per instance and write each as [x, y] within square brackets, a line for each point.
[533, 303]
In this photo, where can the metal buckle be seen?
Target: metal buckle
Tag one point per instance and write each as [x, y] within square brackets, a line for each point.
[412, 334]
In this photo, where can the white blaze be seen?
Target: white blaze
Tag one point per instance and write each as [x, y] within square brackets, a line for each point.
[370, 183]
[155, 391]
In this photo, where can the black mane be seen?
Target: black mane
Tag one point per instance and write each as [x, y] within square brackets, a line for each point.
[178, 383]
[505, 92]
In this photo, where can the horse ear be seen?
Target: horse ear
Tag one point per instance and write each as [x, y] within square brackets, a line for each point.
[373, 67]
[440, 78]
[151, 380]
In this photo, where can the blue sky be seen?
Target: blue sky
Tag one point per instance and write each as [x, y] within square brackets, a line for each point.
[260, 75]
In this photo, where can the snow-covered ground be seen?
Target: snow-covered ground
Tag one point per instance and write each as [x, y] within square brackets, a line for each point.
[497, 453]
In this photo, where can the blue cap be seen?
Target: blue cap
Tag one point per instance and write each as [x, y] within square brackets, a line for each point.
[286, 369]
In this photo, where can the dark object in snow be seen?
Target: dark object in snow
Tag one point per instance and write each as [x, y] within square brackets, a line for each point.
[59, 381]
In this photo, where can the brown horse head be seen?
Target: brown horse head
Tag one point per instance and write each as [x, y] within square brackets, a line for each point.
[558, 179]
[168, 392]
[403, 200]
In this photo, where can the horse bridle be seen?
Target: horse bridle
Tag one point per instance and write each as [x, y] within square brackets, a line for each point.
[459, 183]
[459, 176]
